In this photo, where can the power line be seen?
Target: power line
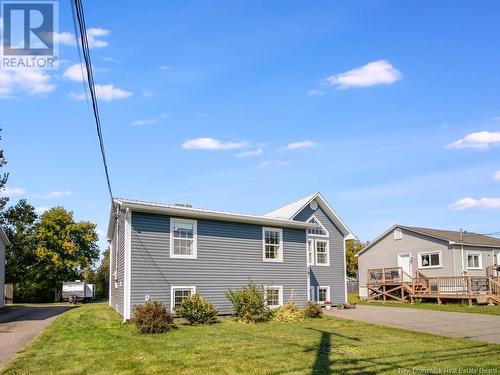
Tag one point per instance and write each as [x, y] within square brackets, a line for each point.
[81, 30]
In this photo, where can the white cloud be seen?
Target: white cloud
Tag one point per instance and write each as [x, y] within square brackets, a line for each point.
[106, 93]
[13, 192]
[40, 210]
[379, 72]
[496, 176]
[150, 121]
[479, 140]
[249, 153]
[64, 38]
[53, 194]
[315, 92]
[300, 144]
[32, 82]
[76, 72]
[164, 67]
[470, 203]
[94, 35]
[273, 163]
[211, 144]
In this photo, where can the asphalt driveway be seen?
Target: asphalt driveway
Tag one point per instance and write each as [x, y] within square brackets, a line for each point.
[20, 324]
[479, 327]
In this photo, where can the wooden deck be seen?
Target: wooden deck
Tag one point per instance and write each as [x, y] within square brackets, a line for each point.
[393, 284]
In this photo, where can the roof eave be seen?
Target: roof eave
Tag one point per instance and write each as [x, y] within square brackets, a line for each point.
[182, 212]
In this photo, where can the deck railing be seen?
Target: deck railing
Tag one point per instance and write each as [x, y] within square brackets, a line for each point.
[385, 275]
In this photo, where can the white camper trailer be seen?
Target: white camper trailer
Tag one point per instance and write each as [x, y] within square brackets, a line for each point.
[78, 291]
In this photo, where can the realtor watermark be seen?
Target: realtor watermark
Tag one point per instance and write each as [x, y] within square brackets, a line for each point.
[29, 34]
[447, 370]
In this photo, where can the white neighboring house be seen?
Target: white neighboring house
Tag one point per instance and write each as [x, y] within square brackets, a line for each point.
[434, 252]
[4, 242]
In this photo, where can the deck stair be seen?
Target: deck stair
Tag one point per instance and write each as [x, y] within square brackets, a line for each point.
[393, 284]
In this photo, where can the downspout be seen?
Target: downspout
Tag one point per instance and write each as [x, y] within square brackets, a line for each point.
[462, 250]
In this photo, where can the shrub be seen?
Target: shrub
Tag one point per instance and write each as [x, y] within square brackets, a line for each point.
[288, 313]
[152, 317]
[249, 304]
[312, 310]
[196, 310]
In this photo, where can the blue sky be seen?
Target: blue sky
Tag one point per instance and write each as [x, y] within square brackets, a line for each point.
[390, 109]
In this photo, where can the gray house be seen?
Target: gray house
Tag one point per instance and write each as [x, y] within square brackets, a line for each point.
[4, 242]
[432, 252]
[166, 252]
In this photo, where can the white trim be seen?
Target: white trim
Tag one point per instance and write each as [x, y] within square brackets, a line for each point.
[320, 225]
[111, 281]
[397, 234]
[194, 254]
[327, 287]
[419, 259]
[313, 251]
[280, 247]
[327, 264]
[280, 295]
[173, 288]
[478, 253]
[127, 265]
[345, 273]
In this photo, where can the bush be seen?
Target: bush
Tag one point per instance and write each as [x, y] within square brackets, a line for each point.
[152, 317]
[249, 304]
[288, 313]
[196, 310]
[312, 310]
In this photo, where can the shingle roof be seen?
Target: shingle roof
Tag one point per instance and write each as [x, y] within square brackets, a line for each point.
[468, 238]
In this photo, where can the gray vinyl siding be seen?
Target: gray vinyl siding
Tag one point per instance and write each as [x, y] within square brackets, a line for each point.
[2, 272]
[118, 265]
[385, 254]
[487, 255]
[334, 274]
[229, 255]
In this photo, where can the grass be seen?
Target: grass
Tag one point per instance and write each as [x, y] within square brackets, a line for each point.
[92, 339]
[453, 307]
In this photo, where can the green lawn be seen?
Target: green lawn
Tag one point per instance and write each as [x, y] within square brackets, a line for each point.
[92, 339]
[455, 307]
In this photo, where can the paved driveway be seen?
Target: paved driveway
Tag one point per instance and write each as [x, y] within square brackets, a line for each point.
[20, 324]
[465, 325]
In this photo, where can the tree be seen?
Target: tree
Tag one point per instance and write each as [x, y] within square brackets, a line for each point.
[99, 276]
[20, 224]
[64, 249]
[351, 249]
[3, 179]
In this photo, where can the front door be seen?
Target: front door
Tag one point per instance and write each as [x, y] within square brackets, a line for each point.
[404, 261]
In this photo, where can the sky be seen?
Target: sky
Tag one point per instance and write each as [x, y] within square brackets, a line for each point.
[390, 109]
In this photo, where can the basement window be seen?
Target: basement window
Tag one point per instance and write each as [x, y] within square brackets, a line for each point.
[179, 294]
[274, 296]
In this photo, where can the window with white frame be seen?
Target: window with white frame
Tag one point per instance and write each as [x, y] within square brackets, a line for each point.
[323, 294]
[474, 261]
[273, 295]
[179, 293]
[398, 234]
[322, 253]
[310, 252]
[429, 260]
[319, 230]
[183, 238]
[272, 245]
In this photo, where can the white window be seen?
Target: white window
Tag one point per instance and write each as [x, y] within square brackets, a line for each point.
[398, 234]
[474, 261]
[323, 294]
[319, 230]
[183, 238]
[273, 295]
[310, 252]
[322, 253]
[179, 293]
[429, 260]
[272, 245]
